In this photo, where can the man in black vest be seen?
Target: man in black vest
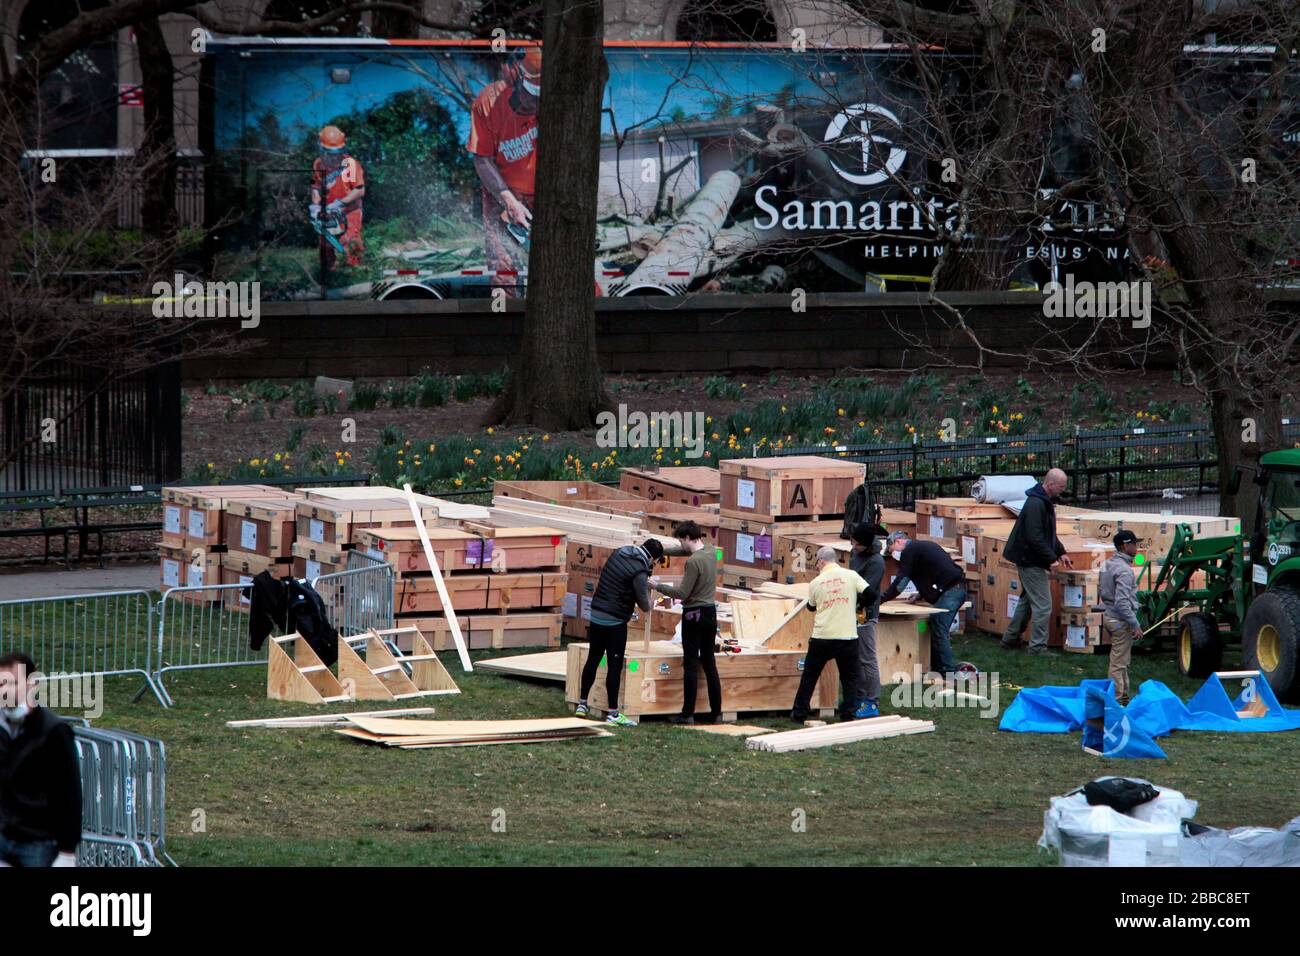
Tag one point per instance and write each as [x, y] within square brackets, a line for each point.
[1035, 550]
[40, 778]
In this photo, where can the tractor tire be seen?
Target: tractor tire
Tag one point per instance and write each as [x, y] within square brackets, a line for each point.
[1200, 649]
[1270, 640]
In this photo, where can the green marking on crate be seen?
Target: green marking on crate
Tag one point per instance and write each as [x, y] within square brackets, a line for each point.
[634, 666]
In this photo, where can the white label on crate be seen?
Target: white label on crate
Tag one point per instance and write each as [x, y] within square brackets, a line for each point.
[244, 581]
[570, 608]
[316, 529]
[936, 527]
[198, 524]
[194, 577]
[744, 493]
[172, 519]
[1126, 850]
[1259, 574]
[1012, 601]
[248, 535]
[377, 555]
[586, 608]
[968, 549]
[171, 573]
[1072, 595]
[570, 491]
[745, 548]
[1076, 635]
[313, 569]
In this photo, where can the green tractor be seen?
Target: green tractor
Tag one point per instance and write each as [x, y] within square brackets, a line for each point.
[1250, 590]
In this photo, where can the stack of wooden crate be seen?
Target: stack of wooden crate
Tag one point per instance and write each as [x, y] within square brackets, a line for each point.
[763, 499]
[328, 527]
[196, 539]
[506, 585]
[695, 486]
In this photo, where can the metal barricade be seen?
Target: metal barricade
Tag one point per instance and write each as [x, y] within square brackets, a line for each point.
[360, 597]
[82, 635]
[205, 627]
[201, 627]
[123, 791]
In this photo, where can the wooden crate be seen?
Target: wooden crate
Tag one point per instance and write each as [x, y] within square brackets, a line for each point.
[660, 517]
[560, 492]
[312, 564]
[417, 593]
[1082, 631]
[753, 682]
[583, 564]
[794, 487]
[684, 485]
[937, 518]
[240, 567]
[456, 550]
[794, 557]
[901, 646]
[1079, 590]
[266, 527]
[1155, 533]
[336, 523]
[190, 567]
[481, 631]
[749, 545]
[203, 509]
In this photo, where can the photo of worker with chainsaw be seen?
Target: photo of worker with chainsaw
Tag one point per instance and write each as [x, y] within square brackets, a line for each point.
[338, 185]
[503, 142]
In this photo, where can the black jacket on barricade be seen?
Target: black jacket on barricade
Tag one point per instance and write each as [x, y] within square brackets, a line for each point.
[294, 607]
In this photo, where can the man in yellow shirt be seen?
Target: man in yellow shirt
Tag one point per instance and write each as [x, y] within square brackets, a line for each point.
[833, 596]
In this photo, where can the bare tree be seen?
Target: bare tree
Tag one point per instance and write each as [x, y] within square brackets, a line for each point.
[556, 381]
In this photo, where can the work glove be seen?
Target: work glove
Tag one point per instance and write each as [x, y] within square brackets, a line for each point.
[335, 206]
[314, 211]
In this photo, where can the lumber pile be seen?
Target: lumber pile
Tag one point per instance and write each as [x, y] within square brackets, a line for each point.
[807, 738]
[429, 734]
[560, 492]
[684, 485]
[505, 584]
[307, 721]
[767, 499]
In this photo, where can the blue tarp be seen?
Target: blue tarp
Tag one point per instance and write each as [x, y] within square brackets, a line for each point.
[1156, 710]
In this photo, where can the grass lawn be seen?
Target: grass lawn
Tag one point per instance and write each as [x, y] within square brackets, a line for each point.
[963, 795]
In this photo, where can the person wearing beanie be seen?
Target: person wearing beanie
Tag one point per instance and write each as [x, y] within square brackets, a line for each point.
[622, 587]
[1117, 588]
[869, 564]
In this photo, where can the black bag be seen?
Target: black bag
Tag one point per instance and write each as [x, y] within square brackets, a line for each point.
[860, 505]
[1119, 793]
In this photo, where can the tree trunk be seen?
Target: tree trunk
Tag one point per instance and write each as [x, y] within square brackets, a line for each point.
[1245, 427]
[158, 149]
[556, 381]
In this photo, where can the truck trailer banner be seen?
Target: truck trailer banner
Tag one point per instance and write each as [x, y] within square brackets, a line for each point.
[369, 168]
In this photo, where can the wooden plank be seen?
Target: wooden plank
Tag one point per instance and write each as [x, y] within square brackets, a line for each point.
[389, 727]
[318, 720]
[731, 730]
[449, 608]
[877, 728]
[548, 666]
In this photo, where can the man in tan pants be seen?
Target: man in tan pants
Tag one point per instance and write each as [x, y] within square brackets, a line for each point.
[1118, 592]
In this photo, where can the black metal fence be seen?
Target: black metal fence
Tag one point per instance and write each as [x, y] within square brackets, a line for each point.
[1159, 468]
[78, 427]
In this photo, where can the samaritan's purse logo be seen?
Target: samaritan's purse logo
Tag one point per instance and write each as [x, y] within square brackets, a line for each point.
[1278, 551]
[864, 124]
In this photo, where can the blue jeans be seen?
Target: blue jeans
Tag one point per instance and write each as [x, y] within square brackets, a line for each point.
[41, 853]
[951, 601]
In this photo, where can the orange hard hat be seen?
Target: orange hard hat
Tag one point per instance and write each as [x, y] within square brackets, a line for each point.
[331, 137]
[531, 67]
